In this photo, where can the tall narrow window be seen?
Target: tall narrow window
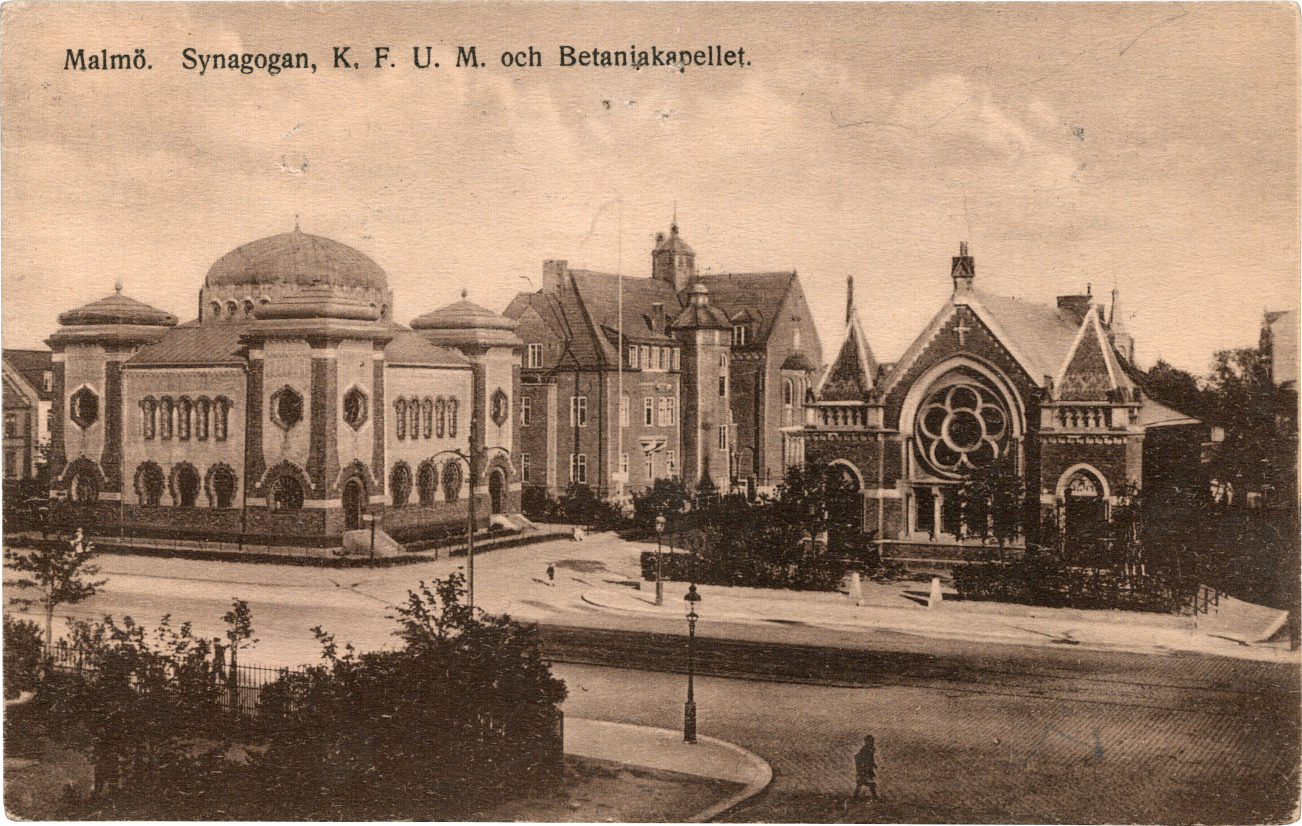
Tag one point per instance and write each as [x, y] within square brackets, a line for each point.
[526, 410]
[623, 410]
[452, 481]
[202, 419]
[633, 360]
[578, 411]
[649, 467]
[221, 420]
[165, 418]
[400, 484]
[441, 417]
[579, 468]
[427, 483]
[740, 335]
[427, 414]
[664, 357]
[647, 408]
[723, 385]
[623, 464]
[723, 437]
[148, 418]
[525, 467]
[660, 412]
[400, 418]
[413, 415]
[671, 411]
[183, 410]
[535, 357]
[646, 356]
[671, 462]
[452, 418]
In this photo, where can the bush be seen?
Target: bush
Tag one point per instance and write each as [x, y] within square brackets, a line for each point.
[22, 656]
[1039, 578]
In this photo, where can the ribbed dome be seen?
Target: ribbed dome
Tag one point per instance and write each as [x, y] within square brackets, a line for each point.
[117, 309]
[463, 315]
[297, 258]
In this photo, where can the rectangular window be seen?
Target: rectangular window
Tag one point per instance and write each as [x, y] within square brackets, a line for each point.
[11, 425]
[723, 385]
[740, 335]
[11, 464]
[664, 358]
[524, 467]
[671, 411]
[673, 359]
[578, 411]
[49, 381]
[535, 356]
[579, 468]
[526, 410]
[647, 409]
[623, 464]
[671, 462]
[633, 360]
[723, 437]
[646, 356]
[660, 412]
[623, 411]
[650, 466]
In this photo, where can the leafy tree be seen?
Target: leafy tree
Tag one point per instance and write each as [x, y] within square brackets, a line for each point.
[1176, 388]
[993, 503]
[61, 572]
[666, 497]
[22, 656]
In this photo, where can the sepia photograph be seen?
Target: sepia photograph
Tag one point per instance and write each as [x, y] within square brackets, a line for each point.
[751, 412]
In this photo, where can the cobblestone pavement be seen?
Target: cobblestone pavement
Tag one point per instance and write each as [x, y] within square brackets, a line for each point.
[957, 754]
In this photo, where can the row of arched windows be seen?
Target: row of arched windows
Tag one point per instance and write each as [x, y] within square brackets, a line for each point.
[427, 483]
[185, 486]
[185, 418]
[434, 418]
[242, 309]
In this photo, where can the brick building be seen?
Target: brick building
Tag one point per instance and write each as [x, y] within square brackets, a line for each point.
[702, 376]
[289, 409]
[28, 393]
[1048, 393]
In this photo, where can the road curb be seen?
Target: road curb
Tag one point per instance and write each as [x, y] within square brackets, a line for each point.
[763, 777]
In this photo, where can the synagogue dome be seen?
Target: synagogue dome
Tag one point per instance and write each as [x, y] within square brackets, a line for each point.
[296, 258]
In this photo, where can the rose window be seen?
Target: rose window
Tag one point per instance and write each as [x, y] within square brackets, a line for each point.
[960, 428]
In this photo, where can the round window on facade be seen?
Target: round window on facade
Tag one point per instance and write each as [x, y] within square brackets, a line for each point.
[961, 427]
[287, 407]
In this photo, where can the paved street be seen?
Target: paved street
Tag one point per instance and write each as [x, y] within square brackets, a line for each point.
[996, 731]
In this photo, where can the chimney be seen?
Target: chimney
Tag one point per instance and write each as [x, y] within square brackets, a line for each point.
[1077, 305]
[963, 270]
[849, 297]
[658, 316]
[1117, 333]
[554, 275]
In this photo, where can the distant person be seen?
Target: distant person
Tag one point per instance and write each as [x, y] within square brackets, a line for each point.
[578, 533]
[865, 766]
[551, 574]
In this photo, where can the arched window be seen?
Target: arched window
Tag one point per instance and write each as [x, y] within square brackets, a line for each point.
[183, 411]
[413, 414]
[248, 308]
[441, 406]
[223, 484]
[427, 413]
[427, 483]
[148, 417]
[232, 309]
[202, 419]
[962, 426]
[222, 419]
[452, 418]
[186, 481]
[452, 481]
[788, 392]
[286, 494]
[400, 417]
[400, 484]
[165, 418]
[149, 484]
[215, 310]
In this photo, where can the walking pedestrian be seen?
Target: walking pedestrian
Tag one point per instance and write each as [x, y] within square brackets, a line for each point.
[865, 766]
[551, 574]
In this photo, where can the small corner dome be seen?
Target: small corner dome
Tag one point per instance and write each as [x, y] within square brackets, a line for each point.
[117, 309]
[463, 315]
[296, 258]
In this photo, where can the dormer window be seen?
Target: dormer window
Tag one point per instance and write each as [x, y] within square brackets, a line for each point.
[534, 356]
[740, 335]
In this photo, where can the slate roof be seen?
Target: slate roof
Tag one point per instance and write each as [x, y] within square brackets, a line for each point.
[31, 365]
[1042, 333]
[409, 347]
[760, 292]
[296, 258]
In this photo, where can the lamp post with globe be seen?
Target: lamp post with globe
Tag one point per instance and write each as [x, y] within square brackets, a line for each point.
[660, 585]
[689, 709]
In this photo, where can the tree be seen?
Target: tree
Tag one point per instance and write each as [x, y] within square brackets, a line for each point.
[61, 571]
[993, 503]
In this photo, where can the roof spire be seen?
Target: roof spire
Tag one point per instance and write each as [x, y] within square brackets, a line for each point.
[849, 297]
[117, 286]
[963, 269]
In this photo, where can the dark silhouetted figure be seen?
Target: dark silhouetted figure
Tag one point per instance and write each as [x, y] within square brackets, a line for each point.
[865, 767]
[551, 574]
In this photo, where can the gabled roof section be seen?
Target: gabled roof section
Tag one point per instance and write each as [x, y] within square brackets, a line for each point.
[760, 292]
[850, 377]
[194, 344]
[1091, 370]
[1037, 335]
[31, 365]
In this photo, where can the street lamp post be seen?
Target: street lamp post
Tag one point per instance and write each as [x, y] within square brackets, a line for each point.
[689, 709]
[660, 585]
[472, 459]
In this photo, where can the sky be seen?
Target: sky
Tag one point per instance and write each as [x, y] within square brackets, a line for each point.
[1147, 147]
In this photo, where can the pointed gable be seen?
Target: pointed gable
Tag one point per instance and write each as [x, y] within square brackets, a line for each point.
[850, 378]
[1091, 371]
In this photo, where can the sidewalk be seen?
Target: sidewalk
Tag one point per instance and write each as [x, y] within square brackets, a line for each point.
[892, 607]
[664, 750]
